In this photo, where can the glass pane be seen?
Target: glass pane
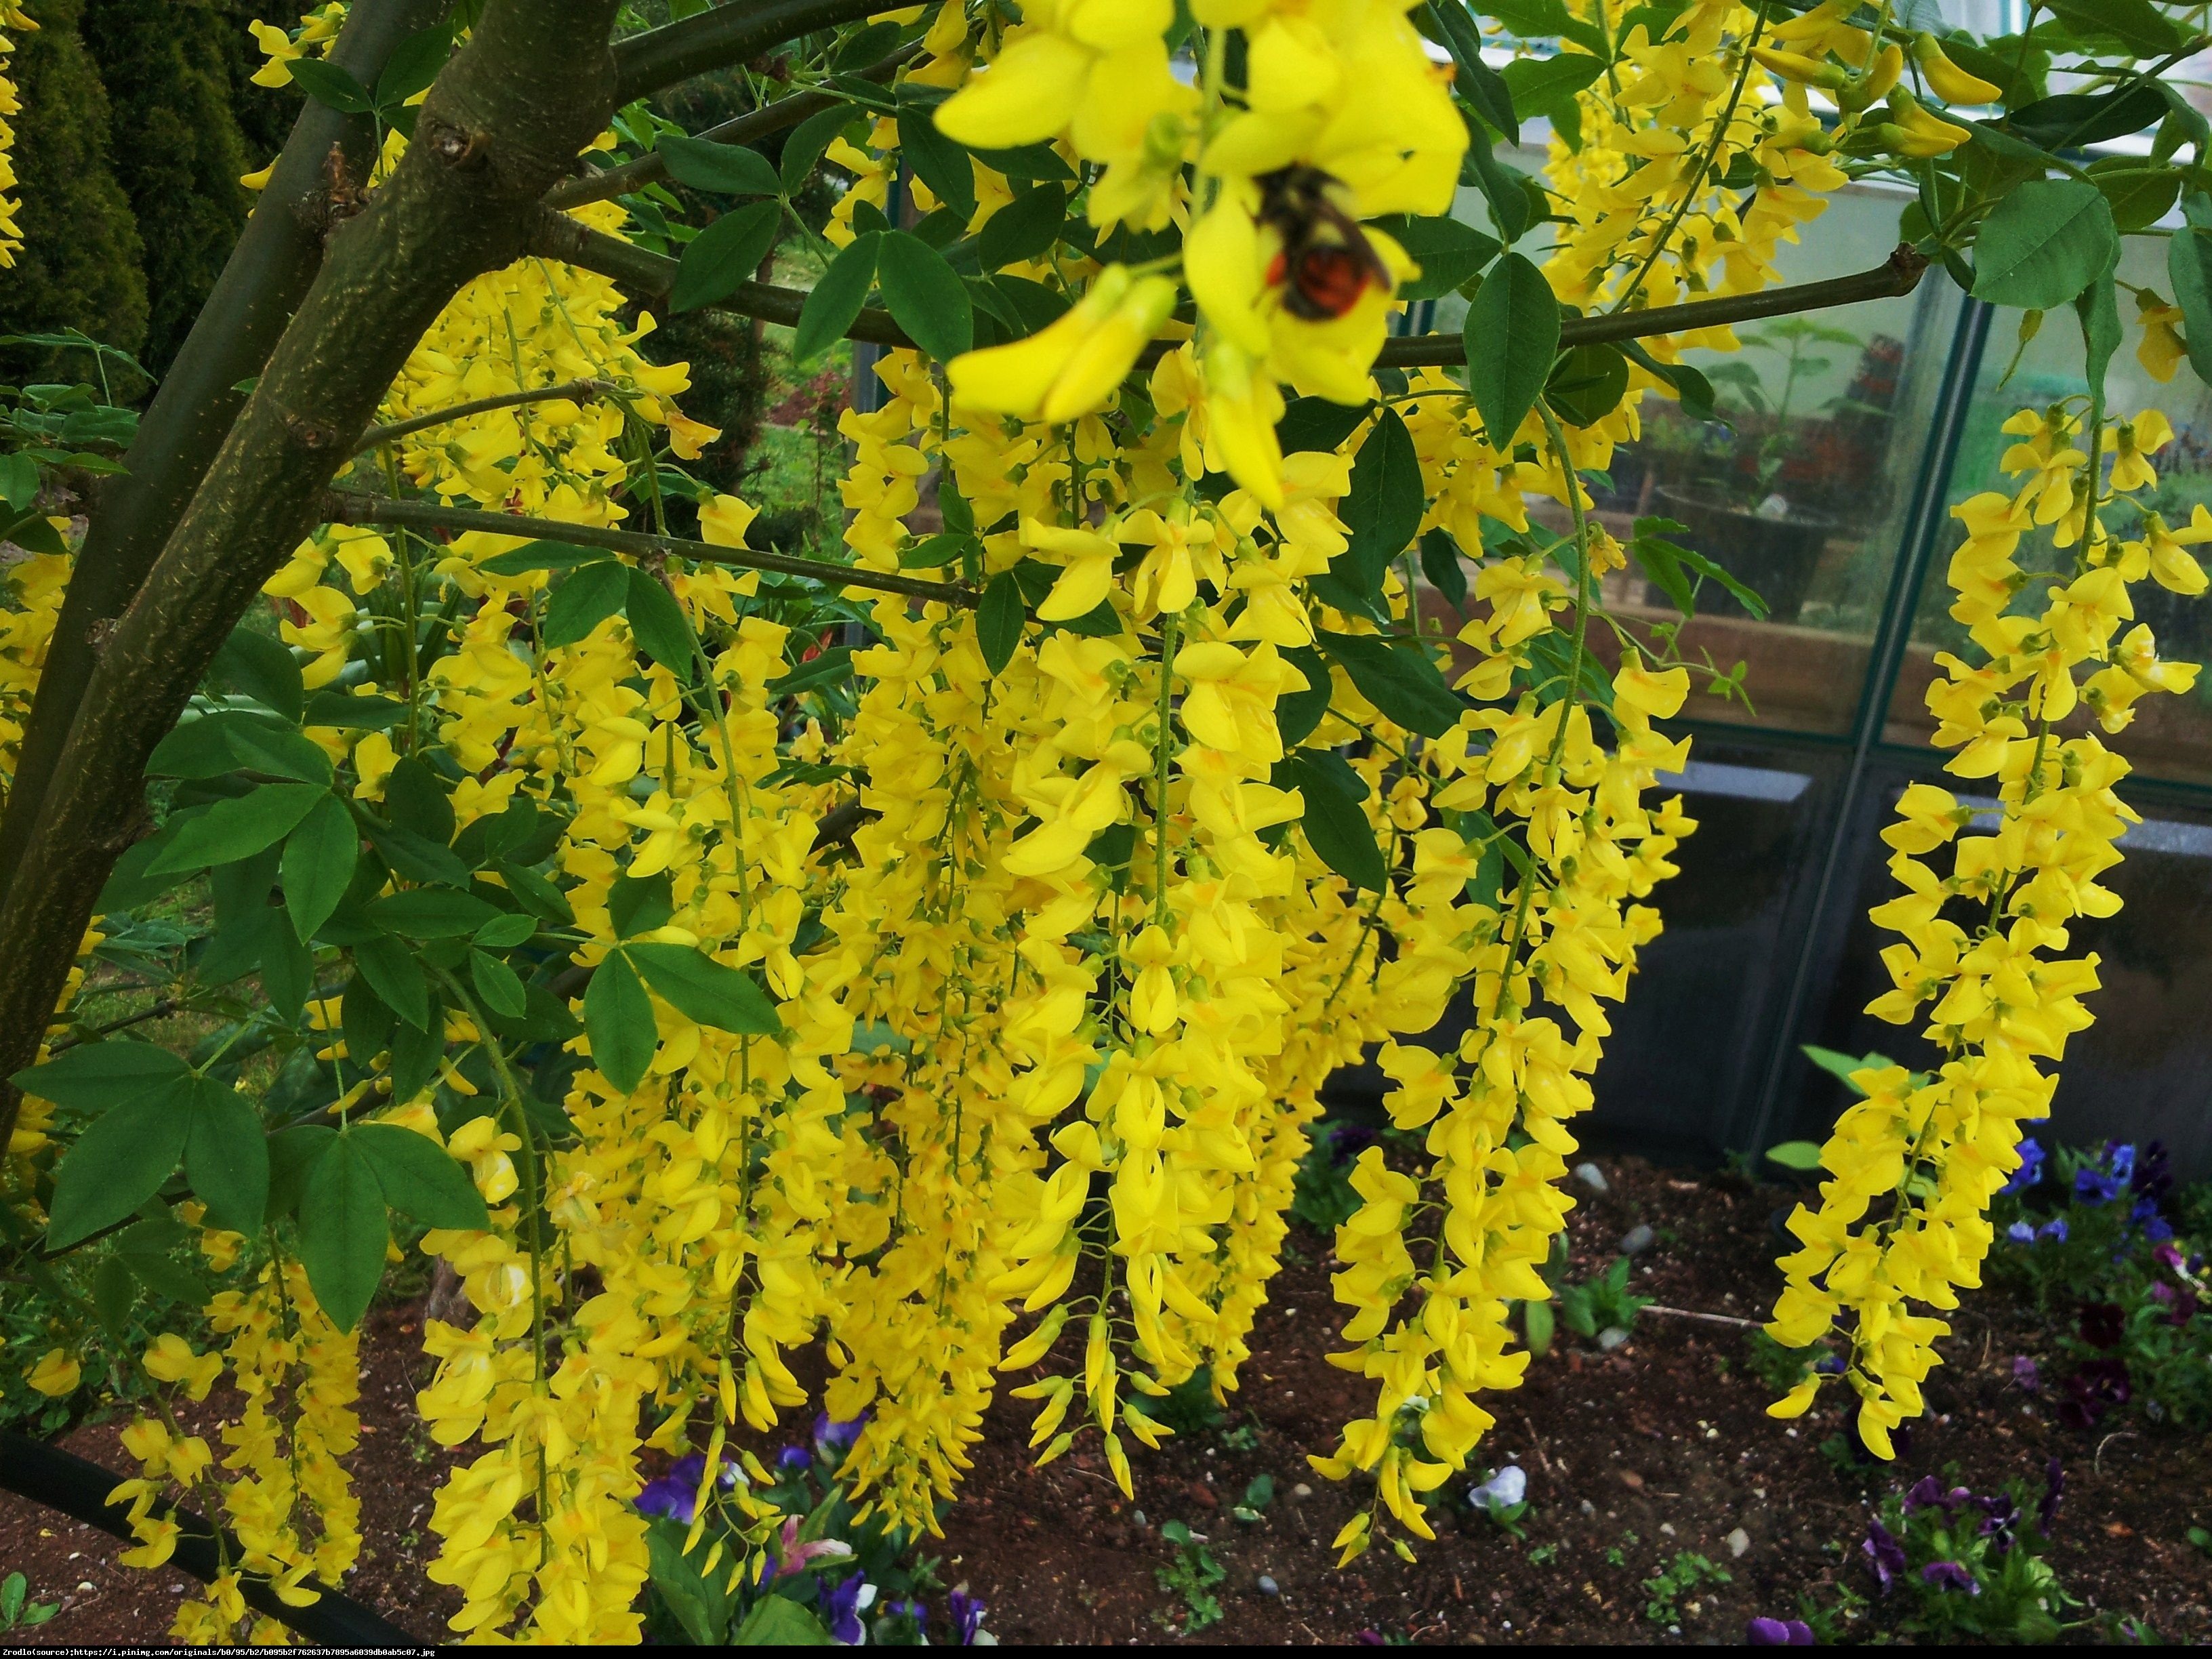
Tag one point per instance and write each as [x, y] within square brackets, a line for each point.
[1804, 492]
[2171, 736]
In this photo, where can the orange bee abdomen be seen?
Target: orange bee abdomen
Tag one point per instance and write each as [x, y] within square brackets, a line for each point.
[1329, 281]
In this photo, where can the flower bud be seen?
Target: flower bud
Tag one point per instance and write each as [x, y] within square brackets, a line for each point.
[1069, 368]
[1946, 79]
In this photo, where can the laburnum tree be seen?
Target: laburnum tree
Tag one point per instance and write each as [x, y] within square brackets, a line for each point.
[931, 957]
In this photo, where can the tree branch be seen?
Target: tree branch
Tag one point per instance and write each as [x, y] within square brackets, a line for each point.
[779, 117]
[261, 286]
[503, 122]
[650, 276]
[348, 507]
[376, 436]
[725, 34]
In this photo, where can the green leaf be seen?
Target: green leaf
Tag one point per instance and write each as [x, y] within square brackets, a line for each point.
[1587, 383]
[777, 1621]
[719, 169]
[725, 255]
[262, 668]
[95, 1076]
[638, 904]
[343, 1232]
[416, 1053]
[159, 1274]
[330, 86]
[2043, 243]
[1796, 1154]
[1540, 86]
[657, 621]
[227, 1155]
[1400, 680]
[336, 708]
[542, 556]
[1023, 229]
[1537, 1319]
[698, 1604]
[2139, 196]
[1447, 250]
[504, 933]
[414, 65]
[1383, 507]
[2189, 268]
[293, 1157]
[418, 1177]
[1512, 335]
[500, 986]
[535, 893]
[1841, 1066]
[278, 750]
[238, 829]
[586, 597]
[1336, 823]
[2074, 118]
[925, 297]
[114, 1293]
[1440, 564]
[1317, 424]
[2135, 24]
[118, 1163]
[702, 989]
[835, 300]
[618, 1018]
[422, 913]
[1485, 90]
[998, 619]
[396, 978]
[19, 477]
[367, 1020]
[936, 159]
[1298, 713]
[2098, 309]
[806, 142]
[320, 856]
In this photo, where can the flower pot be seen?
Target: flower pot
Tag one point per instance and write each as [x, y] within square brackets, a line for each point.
[1773, 557]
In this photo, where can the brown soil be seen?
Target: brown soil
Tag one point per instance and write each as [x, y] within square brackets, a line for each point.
[1661, 1446]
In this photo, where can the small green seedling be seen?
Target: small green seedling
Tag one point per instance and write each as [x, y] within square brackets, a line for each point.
[1192, 1576]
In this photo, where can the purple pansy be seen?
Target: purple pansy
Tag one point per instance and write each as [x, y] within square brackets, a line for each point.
[836, 1439]
[2021, 1232]
[2026, 1376]
[1886, 1554]
[2030, 1167]
[1950, 1576]
[1930, 1494]
[1778, 1633]
[840, 1608]
[2055, 1228]
[793, 1459]
[967, 1618]
[2096, 1387]
[2102, 1324]
[1999, 1514]
[2054, 1488]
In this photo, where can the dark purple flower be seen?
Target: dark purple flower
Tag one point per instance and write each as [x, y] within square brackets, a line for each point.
[2102, 1324]
[1886, 1554]
[2167, 1256]
[2096, 1387]
[967, 1618]
[668, 1496]
[2030, 1167]
[836, 1439]
[1778, 1633]
[841, 1608]
[2155, 1227]
[1930, 1494]
[2054, 1228]
[1830, 1365]
[2000, 1514]
[1369, 1637]
[689, 1468]
[2054, 1488]
[1347, 1140]
[1949, 1575]
[793, 1459]
[2025, 1375]
[2093, 1185]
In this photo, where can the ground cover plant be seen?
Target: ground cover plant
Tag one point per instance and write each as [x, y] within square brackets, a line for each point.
[770, 983]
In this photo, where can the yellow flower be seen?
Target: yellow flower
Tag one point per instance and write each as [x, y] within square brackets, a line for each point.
[56, 1373]
[1072, 367]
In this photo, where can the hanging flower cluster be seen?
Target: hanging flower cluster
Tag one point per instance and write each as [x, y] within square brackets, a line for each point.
[12, 16]
[1983, 944]
[934, 975]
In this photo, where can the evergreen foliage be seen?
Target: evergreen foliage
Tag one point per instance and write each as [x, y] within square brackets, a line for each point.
[175, 148]
[80, 266]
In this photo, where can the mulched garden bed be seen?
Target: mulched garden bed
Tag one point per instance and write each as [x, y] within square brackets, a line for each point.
[1660, 1447]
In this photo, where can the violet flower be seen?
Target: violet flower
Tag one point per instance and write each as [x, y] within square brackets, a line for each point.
[2025, 1375]
[2021, 1232]
[2155, 1227]
[1886, 1554]
[1778, 1633]
[841, 1606]
[2054, 1488]
[668, 1497]
[967, 1618]
[2030, 1167]
[1928, 1493]
[2054, 1228]
[1999, 1514]
[834, 1440]
[793, 1459]
[2096, 1387]
[2102, 1324]
[1347, 1140]
[1949, 1575]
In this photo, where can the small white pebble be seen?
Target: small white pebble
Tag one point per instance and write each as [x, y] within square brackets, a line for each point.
[1302, 1490]
[1738, 1541]
[1668, 1527]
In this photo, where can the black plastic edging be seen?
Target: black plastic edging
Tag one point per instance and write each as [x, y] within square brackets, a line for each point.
[79, 1488]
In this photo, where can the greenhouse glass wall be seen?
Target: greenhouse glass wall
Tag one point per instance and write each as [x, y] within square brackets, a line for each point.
[1853, 432]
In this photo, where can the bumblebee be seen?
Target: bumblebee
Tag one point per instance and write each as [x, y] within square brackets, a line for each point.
[1327, 262]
